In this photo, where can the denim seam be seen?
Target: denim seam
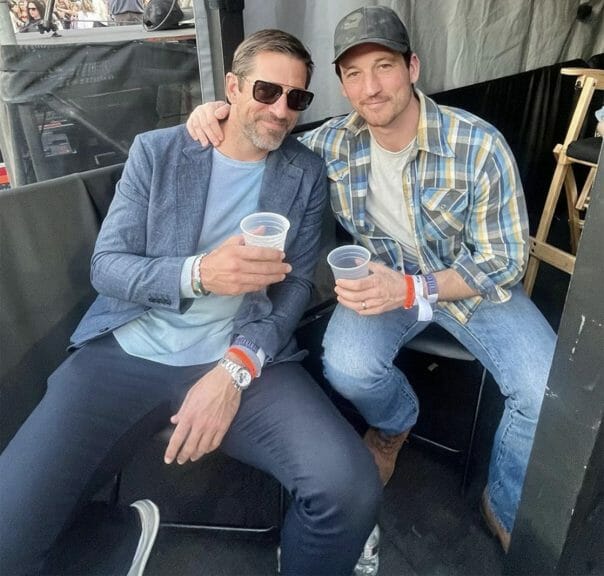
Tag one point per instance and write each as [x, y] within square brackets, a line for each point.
[392, 369]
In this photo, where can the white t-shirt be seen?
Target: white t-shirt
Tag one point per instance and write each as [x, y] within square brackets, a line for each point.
[385, 203]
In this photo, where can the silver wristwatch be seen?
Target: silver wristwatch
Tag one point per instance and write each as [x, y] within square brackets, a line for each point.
[241, 376]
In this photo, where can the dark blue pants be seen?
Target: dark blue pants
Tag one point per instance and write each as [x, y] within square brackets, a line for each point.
[102, 405]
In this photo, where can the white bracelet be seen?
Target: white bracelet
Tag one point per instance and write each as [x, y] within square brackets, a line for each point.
[424, 310]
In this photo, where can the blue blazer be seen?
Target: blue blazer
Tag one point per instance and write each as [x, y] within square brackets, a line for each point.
[154, 224]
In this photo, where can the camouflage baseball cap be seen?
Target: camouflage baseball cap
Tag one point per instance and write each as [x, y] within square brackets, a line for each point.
[371, 24]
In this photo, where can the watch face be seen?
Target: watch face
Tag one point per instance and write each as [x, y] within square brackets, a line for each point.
[243, 378]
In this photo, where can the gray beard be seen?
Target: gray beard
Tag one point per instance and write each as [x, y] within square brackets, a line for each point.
[269, 142]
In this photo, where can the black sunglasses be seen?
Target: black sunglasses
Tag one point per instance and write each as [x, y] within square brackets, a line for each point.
[268, 93]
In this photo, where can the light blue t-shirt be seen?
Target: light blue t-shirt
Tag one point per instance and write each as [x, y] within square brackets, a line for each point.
[202, 334]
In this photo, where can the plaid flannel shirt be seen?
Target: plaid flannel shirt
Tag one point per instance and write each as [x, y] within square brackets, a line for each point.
[463, 195]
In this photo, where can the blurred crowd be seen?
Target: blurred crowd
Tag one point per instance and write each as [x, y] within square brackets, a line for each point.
[27, 14]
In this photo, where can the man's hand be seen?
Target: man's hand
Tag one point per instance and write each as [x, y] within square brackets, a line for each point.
[379, 292]
[204, 417]
[204, 122]
[234, 268]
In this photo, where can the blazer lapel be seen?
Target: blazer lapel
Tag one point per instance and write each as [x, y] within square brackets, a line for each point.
[280, 183]
[193, 179]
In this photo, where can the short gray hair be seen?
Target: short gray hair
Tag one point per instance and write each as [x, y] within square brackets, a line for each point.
[270, 40]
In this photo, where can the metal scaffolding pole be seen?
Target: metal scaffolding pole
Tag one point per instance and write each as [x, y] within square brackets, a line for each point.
[7, 33]
[219, 30]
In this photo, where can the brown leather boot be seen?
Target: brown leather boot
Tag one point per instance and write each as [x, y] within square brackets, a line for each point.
[385, 449]
[493, 523]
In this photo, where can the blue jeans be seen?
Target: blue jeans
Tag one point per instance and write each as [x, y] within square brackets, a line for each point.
[512, 340]
[102, 405]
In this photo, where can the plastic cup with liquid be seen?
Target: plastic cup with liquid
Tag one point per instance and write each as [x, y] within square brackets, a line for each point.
[265, 229]
[350, 262]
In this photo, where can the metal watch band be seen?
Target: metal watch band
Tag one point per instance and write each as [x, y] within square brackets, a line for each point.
[240, 375]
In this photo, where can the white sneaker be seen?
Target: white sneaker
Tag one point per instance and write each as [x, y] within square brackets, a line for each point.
[148, 514]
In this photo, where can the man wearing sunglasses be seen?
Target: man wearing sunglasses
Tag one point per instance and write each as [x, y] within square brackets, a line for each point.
[435, 194]
[194, 328]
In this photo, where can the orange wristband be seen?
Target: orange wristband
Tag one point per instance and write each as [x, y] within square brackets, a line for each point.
[243, 357]
[410, 296]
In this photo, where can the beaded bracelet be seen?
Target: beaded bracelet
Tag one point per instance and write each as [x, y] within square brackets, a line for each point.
[196, 283]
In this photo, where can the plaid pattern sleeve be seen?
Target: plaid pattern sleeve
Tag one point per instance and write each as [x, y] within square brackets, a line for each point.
[494, 253]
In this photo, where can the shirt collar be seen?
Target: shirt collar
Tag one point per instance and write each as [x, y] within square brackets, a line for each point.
[430, 134]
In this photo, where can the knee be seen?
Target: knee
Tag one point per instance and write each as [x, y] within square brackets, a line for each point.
[531, 388]
[337, 372]
[358, 490]
[531, 401]
[347, 358]
[351, 347]
[343, 359]
[355, 381]
[347, 492]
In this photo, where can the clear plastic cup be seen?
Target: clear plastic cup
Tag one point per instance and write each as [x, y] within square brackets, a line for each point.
[349, 262]
[265, 229]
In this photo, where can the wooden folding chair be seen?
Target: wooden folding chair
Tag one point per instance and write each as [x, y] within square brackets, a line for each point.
[574, 150]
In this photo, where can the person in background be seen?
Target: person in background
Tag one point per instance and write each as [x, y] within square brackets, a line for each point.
[66, 12]
[92, 14]
[35, 14]
[18, 15]
[23, 15]
[434, 193]
[194, 328]
[36, 10]
[125, 12]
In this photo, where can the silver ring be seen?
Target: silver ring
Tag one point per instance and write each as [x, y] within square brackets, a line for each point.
[364, 305]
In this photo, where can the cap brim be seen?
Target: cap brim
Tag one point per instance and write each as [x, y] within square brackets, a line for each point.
[396, 46]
